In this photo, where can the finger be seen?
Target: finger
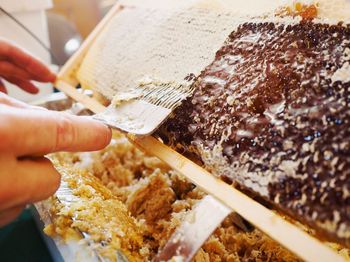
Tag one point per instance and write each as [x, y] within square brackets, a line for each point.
[9, 215]
[23, 60]
[29, 181]
[2, 87]
[11, 71]
[28, 132]
[23, 84]
[8, 69]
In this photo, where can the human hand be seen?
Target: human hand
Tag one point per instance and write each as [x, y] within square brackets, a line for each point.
[26, 134]
[19, 68]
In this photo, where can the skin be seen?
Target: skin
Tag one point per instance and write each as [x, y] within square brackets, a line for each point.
[28, 133]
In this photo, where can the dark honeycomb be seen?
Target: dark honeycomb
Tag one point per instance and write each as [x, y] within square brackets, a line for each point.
[272, 102]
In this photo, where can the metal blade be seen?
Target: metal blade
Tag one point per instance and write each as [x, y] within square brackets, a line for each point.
[197, 226]
[137, 117]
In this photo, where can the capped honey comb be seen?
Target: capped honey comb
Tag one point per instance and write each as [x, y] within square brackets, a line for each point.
[271, 114]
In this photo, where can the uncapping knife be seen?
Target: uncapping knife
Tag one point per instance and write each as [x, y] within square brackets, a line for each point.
[196, 228]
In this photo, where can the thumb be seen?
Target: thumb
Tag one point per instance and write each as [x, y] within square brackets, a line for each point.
[29, 131]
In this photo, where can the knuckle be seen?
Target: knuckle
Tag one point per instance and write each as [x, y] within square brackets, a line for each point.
[65, 132]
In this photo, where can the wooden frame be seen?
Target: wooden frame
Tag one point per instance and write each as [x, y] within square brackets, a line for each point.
[287, 234]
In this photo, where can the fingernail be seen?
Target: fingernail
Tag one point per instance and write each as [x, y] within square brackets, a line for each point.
[109, 136]
[105, 133]
[34, 91]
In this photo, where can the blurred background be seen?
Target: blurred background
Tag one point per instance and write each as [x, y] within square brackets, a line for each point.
[69, 22]
[49, 29]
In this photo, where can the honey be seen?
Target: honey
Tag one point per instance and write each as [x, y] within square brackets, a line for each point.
[271, 113]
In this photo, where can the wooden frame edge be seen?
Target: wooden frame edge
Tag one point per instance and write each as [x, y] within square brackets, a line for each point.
[293, 238]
